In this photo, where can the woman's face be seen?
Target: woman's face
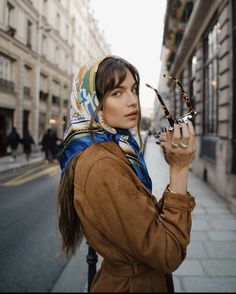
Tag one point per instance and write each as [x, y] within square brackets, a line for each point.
[120, 109]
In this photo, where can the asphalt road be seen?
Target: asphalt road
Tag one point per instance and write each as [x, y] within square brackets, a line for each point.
[29, 237]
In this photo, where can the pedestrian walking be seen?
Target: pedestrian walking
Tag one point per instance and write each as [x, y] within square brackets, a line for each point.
[27, 142]
[48, 145]
[13, 140]
[105, 192]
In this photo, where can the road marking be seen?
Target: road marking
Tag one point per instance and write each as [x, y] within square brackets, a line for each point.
[24, 179]
[30, 171]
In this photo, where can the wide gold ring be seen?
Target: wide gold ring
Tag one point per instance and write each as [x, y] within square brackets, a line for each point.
[184, 146]
[174, 145]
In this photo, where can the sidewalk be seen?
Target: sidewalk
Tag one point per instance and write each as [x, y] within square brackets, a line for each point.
[210, 265]
[6, 163]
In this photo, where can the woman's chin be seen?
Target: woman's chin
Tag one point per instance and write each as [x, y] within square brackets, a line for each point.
[126, 126]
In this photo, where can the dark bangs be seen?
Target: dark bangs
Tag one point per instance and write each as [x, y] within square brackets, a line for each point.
[108, 71]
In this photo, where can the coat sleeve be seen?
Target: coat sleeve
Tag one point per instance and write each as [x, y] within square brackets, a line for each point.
[157, 236]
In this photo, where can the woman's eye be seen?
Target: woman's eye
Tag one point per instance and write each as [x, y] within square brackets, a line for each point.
[134, 90]
[116, 94]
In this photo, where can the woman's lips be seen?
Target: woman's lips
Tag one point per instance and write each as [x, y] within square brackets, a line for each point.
[132, 115]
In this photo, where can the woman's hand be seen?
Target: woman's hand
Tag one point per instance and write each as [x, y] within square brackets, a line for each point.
[179, 145]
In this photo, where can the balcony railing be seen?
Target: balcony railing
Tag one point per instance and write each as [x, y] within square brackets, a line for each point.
[7, 85]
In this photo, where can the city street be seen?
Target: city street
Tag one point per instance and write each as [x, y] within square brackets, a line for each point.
[29, 247]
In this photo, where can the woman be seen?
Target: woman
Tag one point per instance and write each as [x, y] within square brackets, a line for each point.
[105, 189]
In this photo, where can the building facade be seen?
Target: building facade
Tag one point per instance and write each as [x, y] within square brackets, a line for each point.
[42, 45]
[201, 39]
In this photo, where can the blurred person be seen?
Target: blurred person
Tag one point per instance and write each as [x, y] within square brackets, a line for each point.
[48, 145]
[13, 140]
[27, 142]
[105, 192]
[57, 148]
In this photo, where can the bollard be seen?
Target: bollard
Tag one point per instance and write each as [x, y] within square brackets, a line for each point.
[92, 259]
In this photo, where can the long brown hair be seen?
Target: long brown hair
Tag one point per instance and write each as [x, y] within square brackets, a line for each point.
[106, 81]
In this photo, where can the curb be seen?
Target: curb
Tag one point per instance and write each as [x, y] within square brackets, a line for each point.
[19, 165]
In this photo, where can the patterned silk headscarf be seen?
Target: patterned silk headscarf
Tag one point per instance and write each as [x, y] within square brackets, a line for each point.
[77, 136]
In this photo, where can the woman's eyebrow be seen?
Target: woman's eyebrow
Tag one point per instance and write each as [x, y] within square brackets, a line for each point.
[124, 87]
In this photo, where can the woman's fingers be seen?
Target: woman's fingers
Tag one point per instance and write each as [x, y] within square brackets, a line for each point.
[176, 136]
[192, 135]
[161, 137]
[185, 136]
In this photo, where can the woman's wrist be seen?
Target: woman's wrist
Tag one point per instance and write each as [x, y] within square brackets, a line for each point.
[178, 180]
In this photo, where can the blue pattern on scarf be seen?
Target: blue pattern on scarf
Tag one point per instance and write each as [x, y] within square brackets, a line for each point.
[80, 144]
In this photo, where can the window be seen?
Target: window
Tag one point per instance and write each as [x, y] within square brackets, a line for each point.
[6, 73]
[44, 45]
[27, 80]
[29, 33]
[56, 88]
[211, 89]
[66, 63]
[5, 68]
[10, 19]
[58, 24]
[43, 83]
[211, 49]
[56, 93]
[234, 87]
[57, 55]
[10, 14]
[43, 94]
[67, 32]
[45, 8]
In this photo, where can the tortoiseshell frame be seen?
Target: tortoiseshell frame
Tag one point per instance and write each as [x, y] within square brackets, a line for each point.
[183, 119]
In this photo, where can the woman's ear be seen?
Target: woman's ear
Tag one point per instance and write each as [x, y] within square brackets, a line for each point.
[104, 125]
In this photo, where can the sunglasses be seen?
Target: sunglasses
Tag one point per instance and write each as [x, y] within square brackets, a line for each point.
[183, 119]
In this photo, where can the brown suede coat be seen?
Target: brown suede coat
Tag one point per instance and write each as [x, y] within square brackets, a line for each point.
[142, 241]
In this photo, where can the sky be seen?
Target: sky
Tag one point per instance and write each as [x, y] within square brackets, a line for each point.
[134, 30]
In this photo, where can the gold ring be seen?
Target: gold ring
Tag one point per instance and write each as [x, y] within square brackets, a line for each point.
[174, 145]
[170, 129]
[184, 146]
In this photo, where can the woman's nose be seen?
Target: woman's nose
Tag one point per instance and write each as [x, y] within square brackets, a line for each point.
[132, 99]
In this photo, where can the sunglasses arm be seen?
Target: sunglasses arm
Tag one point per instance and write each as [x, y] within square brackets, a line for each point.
[167, 113]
